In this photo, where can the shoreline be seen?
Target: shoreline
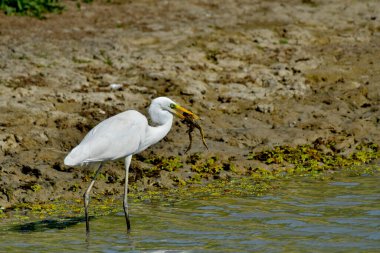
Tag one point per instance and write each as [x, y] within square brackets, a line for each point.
[295, 86]
[254, 183]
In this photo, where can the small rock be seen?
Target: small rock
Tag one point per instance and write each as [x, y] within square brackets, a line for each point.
[194, 88]
[8, 143]
[115, 86]
[284, 73]
[265, 108]
[347, 143]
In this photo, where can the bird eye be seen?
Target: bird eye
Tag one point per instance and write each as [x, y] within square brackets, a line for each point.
[172, 106]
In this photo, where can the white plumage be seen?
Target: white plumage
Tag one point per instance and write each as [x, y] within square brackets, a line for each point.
[122, 136]
[113, 138]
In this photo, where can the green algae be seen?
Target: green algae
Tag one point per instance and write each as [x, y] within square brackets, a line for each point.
[208, 166]
[159, 163]
[283, 163]
[36, 187]
[307, 158]
[255, 183]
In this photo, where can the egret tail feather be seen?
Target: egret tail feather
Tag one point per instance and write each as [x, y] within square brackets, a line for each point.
[76, 157]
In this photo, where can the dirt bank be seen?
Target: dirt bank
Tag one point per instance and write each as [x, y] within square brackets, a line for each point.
[260, 74]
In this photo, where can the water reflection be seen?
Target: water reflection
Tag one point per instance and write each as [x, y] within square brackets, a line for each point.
[341, 216]
[44, 225]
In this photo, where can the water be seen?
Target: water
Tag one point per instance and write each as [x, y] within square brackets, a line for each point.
[339, 216]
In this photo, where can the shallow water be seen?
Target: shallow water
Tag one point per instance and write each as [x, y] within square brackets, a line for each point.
[338, 216]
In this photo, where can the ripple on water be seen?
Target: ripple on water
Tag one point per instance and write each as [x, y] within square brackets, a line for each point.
[311, 214]
[345, 184]
[374, 212]
[342, 217]
[289, 223]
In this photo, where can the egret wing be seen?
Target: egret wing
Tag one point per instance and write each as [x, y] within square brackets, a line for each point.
[111, 139]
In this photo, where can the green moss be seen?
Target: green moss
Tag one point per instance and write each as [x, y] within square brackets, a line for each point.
[305, 158]
[365, 153]
[193, 158]
[196, 178]
[163, 163]
[307, 161]
[283, 162]
[74, 188]
[209, 166]
[36, 187]
[258, 183]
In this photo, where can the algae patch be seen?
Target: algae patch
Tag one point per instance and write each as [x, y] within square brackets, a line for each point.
[200, 176]
[308, 159]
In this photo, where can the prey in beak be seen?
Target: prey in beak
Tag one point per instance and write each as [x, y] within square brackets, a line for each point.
[189, 119]
[183, 113]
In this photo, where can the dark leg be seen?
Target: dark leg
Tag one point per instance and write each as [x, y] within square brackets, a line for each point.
[125, 202]
[86, 197]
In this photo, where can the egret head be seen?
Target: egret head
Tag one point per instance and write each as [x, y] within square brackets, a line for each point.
[181, 112]
[169, 105]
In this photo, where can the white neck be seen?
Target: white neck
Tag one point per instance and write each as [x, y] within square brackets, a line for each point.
[163, 120]
[157, 133]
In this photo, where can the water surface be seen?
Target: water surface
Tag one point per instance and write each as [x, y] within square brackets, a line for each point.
[338, 216]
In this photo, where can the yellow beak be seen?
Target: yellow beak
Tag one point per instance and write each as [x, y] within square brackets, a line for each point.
[184, 113]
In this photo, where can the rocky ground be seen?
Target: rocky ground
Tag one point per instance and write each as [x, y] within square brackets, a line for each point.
[259, 73]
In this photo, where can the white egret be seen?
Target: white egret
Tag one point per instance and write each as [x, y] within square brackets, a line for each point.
[122, 136]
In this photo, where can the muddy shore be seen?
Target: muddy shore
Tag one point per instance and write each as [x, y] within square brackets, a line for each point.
[261, 74]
